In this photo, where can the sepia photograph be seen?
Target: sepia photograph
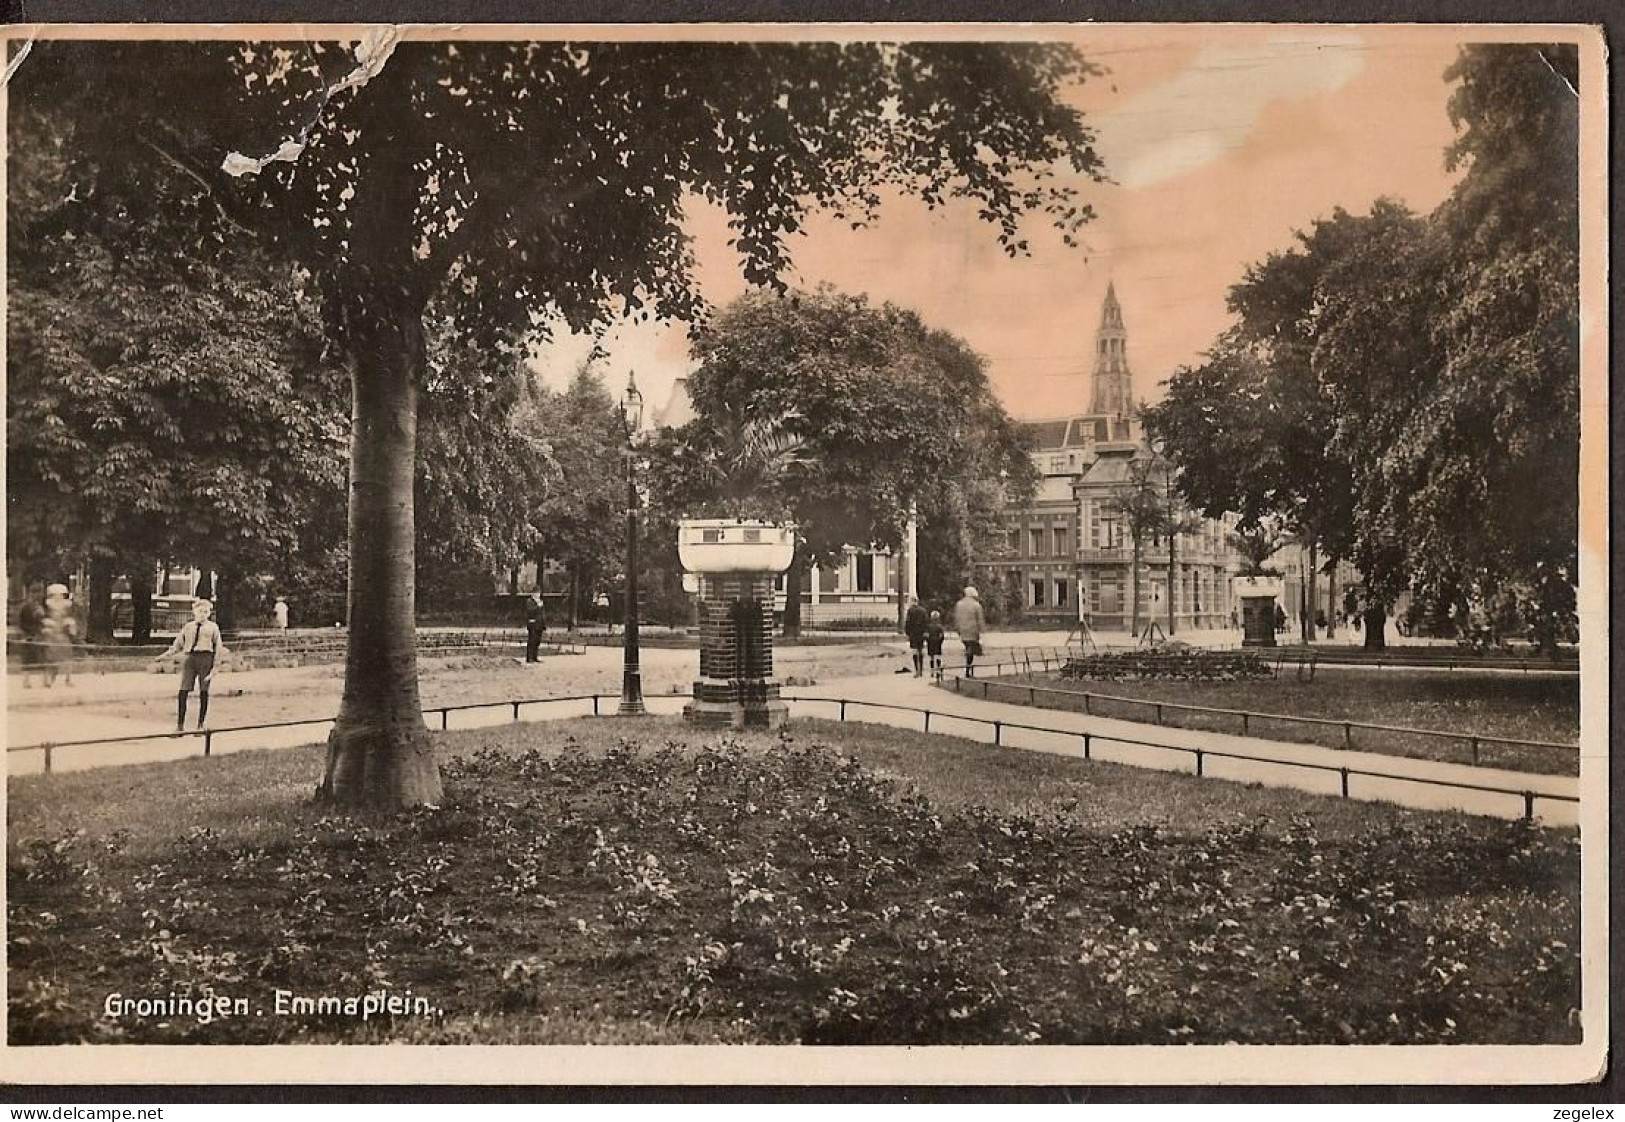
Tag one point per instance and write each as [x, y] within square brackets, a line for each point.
[818, 554]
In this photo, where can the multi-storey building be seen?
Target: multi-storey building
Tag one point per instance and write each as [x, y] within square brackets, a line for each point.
[1068, 552]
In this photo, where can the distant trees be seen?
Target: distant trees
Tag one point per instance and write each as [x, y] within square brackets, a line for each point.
[576, 514]
[871, 414]
[163, 408]
[1404, 390]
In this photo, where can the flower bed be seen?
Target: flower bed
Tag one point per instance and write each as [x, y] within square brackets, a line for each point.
[775, 891]
[1181, 664]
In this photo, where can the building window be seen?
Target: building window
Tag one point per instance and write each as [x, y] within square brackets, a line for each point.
[1035, 543]
[1061, 597]
[1015, 541]
[1038, 593]
[1060, 541]
[866, 572]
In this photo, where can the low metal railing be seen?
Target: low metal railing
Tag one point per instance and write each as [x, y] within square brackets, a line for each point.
[1087, 740]
[1091, 698]
[90, 659]
[1452, 659]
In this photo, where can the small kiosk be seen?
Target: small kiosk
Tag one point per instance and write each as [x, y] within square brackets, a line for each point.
[736, 563]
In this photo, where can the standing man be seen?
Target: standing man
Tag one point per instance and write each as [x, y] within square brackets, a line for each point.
[968, 621]
[279, 614]
[535, 626]
[915, 623]
[200, 640]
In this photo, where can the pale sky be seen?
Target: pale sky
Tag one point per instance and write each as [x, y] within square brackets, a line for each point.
[1220, 141]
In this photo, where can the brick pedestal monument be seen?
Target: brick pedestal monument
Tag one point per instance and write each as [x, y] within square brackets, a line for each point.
[1257, 596]
[736, 563]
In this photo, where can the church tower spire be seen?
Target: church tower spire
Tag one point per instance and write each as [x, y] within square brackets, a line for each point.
[1112, 385]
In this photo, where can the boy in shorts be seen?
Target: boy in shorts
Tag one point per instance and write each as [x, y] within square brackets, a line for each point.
[933, 644]
[201, 644]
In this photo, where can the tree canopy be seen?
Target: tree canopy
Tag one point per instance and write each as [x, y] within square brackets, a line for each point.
[505, 185]
[887, 418]
[1406, 388]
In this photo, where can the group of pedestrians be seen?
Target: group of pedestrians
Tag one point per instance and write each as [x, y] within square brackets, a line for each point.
[48, 634]
[926, 635]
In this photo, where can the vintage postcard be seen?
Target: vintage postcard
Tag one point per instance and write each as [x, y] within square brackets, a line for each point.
[817, 554]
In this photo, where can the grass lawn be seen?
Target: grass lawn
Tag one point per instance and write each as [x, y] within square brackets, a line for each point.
[1516, 706]
[614, 881]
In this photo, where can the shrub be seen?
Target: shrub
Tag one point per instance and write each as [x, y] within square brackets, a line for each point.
[1184, 664]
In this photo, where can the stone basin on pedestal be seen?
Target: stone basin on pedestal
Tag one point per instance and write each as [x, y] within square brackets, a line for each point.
[1257, 596]
[736, 562]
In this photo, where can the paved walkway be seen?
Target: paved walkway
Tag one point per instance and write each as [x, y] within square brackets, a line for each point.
[33, 719]
[950, 710]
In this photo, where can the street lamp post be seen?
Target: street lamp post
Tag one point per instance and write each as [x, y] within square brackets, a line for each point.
[632, 676]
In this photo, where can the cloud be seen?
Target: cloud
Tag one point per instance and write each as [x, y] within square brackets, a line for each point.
[1212, 106]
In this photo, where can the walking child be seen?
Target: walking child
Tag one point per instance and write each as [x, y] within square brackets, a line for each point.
[933, 644]
[201, 643]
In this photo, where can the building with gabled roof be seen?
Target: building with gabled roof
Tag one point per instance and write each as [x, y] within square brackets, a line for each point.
[1066, 552]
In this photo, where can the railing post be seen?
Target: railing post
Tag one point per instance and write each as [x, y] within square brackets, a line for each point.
[47, 759]
[1198, 761]
[843, 708]
[1244, 716]
[1086, 746]
[928, 720]
[957, 680]
[208, 742]
[1348, 734]
[1344, 772]
[1086, 703]
[445, 717]
[1529, 806]
[1032, 696]
[984, 689]
[1159, 712]
[595, 705]
[998, 728]
[516, 710]
[1475, 749]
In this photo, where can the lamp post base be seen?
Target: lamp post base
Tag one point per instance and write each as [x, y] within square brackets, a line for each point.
[631, 696]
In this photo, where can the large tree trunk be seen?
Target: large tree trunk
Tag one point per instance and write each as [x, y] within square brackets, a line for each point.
[1173, 578]
[99, 606]
[1310, 586]
[225, 602]
[1376, 626]
[1332, 610]
[379, 752]
[1134, 625]
[141, 602]
[792, 593]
